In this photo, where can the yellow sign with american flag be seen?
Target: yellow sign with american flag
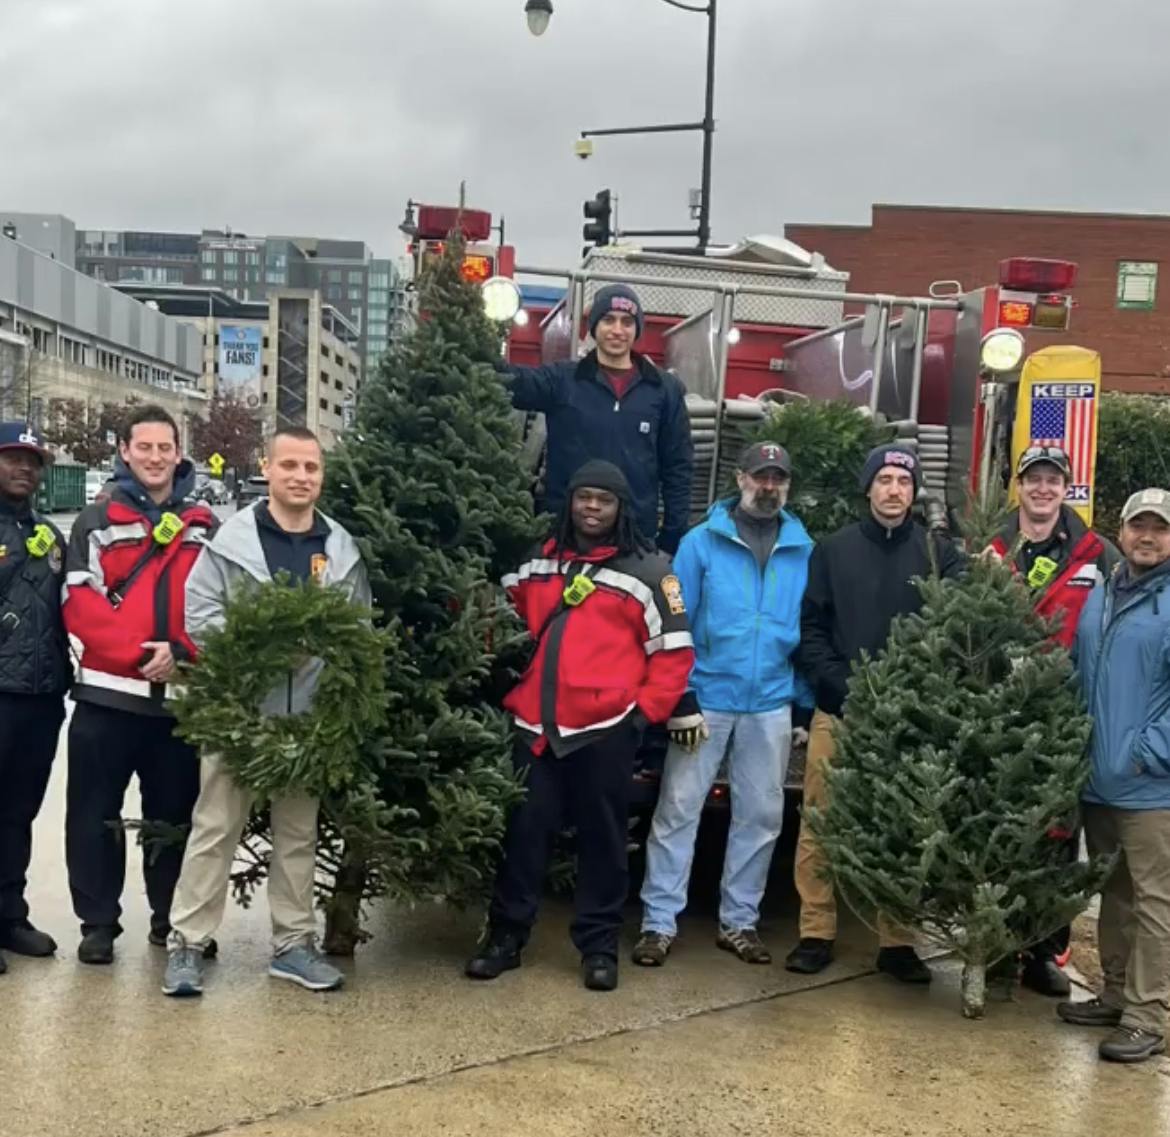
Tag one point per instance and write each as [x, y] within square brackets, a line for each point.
[1057, 406]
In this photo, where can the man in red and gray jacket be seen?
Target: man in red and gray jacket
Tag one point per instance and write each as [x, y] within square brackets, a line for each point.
[125, 575]
[1062, 560]
[613, 654]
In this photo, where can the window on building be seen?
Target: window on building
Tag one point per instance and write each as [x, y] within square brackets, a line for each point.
[379, 280]
[378, 328]
[274, 277]
[1137, 284]
[252, 258]
[355, 294]
[338, 384]
[323, 403]
[325, 378]
[333, 292]
[379, 298]
[333, 276]
[356, 276]
[231, 258]
[207, 256]
[231, 274]
[207, 273]
[337, 409]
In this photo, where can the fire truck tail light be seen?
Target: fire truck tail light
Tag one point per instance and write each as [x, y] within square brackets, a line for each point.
[1034, 274]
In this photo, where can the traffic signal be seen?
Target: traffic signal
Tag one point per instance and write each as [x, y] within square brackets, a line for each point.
[598, 216]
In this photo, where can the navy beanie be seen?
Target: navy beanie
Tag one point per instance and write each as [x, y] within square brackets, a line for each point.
[616, 298]
[599, 475]
[891, 454]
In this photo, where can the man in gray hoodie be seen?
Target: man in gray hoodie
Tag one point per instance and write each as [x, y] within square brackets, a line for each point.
[282, 533]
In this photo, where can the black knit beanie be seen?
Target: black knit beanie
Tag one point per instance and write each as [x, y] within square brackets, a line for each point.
[599, 475]
[616, 298]
[890, 455]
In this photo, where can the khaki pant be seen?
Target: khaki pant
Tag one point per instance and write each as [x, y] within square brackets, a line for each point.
[219, 818]
[818, 904]
[1133, 930]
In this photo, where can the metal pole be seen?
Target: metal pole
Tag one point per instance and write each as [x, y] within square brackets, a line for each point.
[726, 315]
[576, 314]
[920, 316]
[879, 354]
[708, 133]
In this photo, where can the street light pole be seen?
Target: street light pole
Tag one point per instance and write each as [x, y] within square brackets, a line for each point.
[539, 13]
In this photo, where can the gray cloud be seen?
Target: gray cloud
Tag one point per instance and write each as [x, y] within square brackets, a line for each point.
[288, 116]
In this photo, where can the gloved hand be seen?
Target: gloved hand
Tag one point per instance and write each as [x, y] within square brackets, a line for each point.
[689, 733]
[799, 736]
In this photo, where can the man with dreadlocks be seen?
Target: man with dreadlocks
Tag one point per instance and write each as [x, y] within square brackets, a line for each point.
[613, 654]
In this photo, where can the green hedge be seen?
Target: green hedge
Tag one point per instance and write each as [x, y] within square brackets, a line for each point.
[1133, 452]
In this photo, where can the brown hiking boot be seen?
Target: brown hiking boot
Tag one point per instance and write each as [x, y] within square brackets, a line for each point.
[743, 942]
[652, 949]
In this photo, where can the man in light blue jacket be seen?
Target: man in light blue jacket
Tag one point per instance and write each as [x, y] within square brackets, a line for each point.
[1122, 653]
[742, 573]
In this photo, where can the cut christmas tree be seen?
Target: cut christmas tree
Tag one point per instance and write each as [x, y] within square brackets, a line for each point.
[955, 785]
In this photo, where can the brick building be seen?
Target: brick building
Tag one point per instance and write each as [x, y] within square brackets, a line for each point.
[1119, 309]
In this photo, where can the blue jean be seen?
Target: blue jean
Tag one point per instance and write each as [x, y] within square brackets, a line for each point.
[760, 745]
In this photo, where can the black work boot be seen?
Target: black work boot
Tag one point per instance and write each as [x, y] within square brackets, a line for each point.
[23, 939]
[3, 965]
[1131, 1044]
[97, 946]
[903, 964]
[810, 956]
[1044, 976]
[599, 972]
[1092, 1012]
[499, 952]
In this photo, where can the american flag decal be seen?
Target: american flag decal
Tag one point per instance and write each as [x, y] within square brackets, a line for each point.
[1067, 420]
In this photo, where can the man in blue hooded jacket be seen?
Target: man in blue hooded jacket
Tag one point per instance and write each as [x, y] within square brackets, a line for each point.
[614, 404]
[1122, 655]
[742, 574]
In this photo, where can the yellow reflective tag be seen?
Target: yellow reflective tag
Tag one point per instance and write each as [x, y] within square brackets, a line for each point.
[42, 540]
[1042, 571]
[580, 588]
[168, 528]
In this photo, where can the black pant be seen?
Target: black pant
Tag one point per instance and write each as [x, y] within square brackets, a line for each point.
[589, 789]
[107, 747]
[29, 725]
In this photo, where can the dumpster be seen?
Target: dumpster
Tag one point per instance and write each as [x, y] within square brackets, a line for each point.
[62, 489]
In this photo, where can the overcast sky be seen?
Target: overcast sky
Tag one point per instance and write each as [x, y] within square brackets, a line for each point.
[297, 116]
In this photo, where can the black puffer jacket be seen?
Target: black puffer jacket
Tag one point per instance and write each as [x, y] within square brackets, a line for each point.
[34, 658]
[859, 579]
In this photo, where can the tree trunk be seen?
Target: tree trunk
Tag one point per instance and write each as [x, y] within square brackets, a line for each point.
[974, 989]
[343, 913]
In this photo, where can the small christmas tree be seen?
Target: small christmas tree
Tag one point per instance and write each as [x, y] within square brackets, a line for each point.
[957, 777]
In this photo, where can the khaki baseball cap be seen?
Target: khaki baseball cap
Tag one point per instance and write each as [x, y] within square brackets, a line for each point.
[1151, 500]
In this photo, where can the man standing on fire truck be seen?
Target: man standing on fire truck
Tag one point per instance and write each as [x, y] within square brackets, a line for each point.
[614, 404]
[1061, 560]
[125, 574]
[859, 580]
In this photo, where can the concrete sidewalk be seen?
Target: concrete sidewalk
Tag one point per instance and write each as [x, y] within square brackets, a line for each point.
[707, 1045]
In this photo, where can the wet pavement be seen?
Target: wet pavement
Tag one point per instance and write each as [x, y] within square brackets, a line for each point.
[706, 1045]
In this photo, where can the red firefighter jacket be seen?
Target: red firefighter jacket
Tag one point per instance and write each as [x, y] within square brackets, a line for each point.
[625, 650]
[110, 618]
[1084, 559]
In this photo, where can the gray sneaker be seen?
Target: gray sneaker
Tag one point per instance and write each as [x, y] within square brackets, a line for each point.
[184, 974]
[304, 964]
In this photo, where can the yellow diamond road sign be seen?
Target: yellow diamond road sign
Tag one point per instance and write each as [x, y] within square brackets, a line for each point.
[215, 464]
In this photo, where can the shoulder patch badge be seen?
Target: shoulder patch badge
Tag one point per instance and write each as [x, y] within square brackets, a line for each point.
[672, 590]
[318, 563]
[56, 561]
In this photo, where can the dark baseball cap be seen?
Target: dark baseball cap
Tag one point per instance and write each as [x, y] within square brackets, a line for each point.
[765, 456]
[1054, 455]
[20, 436]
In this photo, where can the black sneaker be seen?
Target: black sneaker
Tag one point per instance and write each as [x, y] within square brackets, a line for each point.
[810, 956]
[903, 964]
[1131, 1044]
[498, 953]
[1092, 1012]
[1044, 976]
[743, 942]
[3, 965]
[97, 946]
[599, 972]
[24, 939]
[652, 949]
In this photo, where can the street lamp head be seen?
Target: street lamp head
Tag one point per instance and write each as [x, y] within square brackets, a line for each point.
[539, 12]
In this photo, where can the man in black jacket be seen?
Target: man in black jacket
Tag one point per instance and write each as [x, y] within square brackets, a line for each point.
[614, 404]
[859, 579]
[34, 673]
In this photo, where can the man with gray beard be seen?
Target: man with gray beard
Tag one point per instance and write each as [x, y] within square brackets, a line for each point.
[742, 572]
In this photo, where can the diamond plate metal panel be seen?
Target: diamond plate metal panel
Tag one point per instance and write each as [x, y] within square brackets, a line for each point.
[667, 301]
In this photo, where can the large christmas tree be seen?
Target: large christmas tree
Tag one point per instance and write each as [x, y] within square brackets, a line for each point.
[430, 483]
[958, 772]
